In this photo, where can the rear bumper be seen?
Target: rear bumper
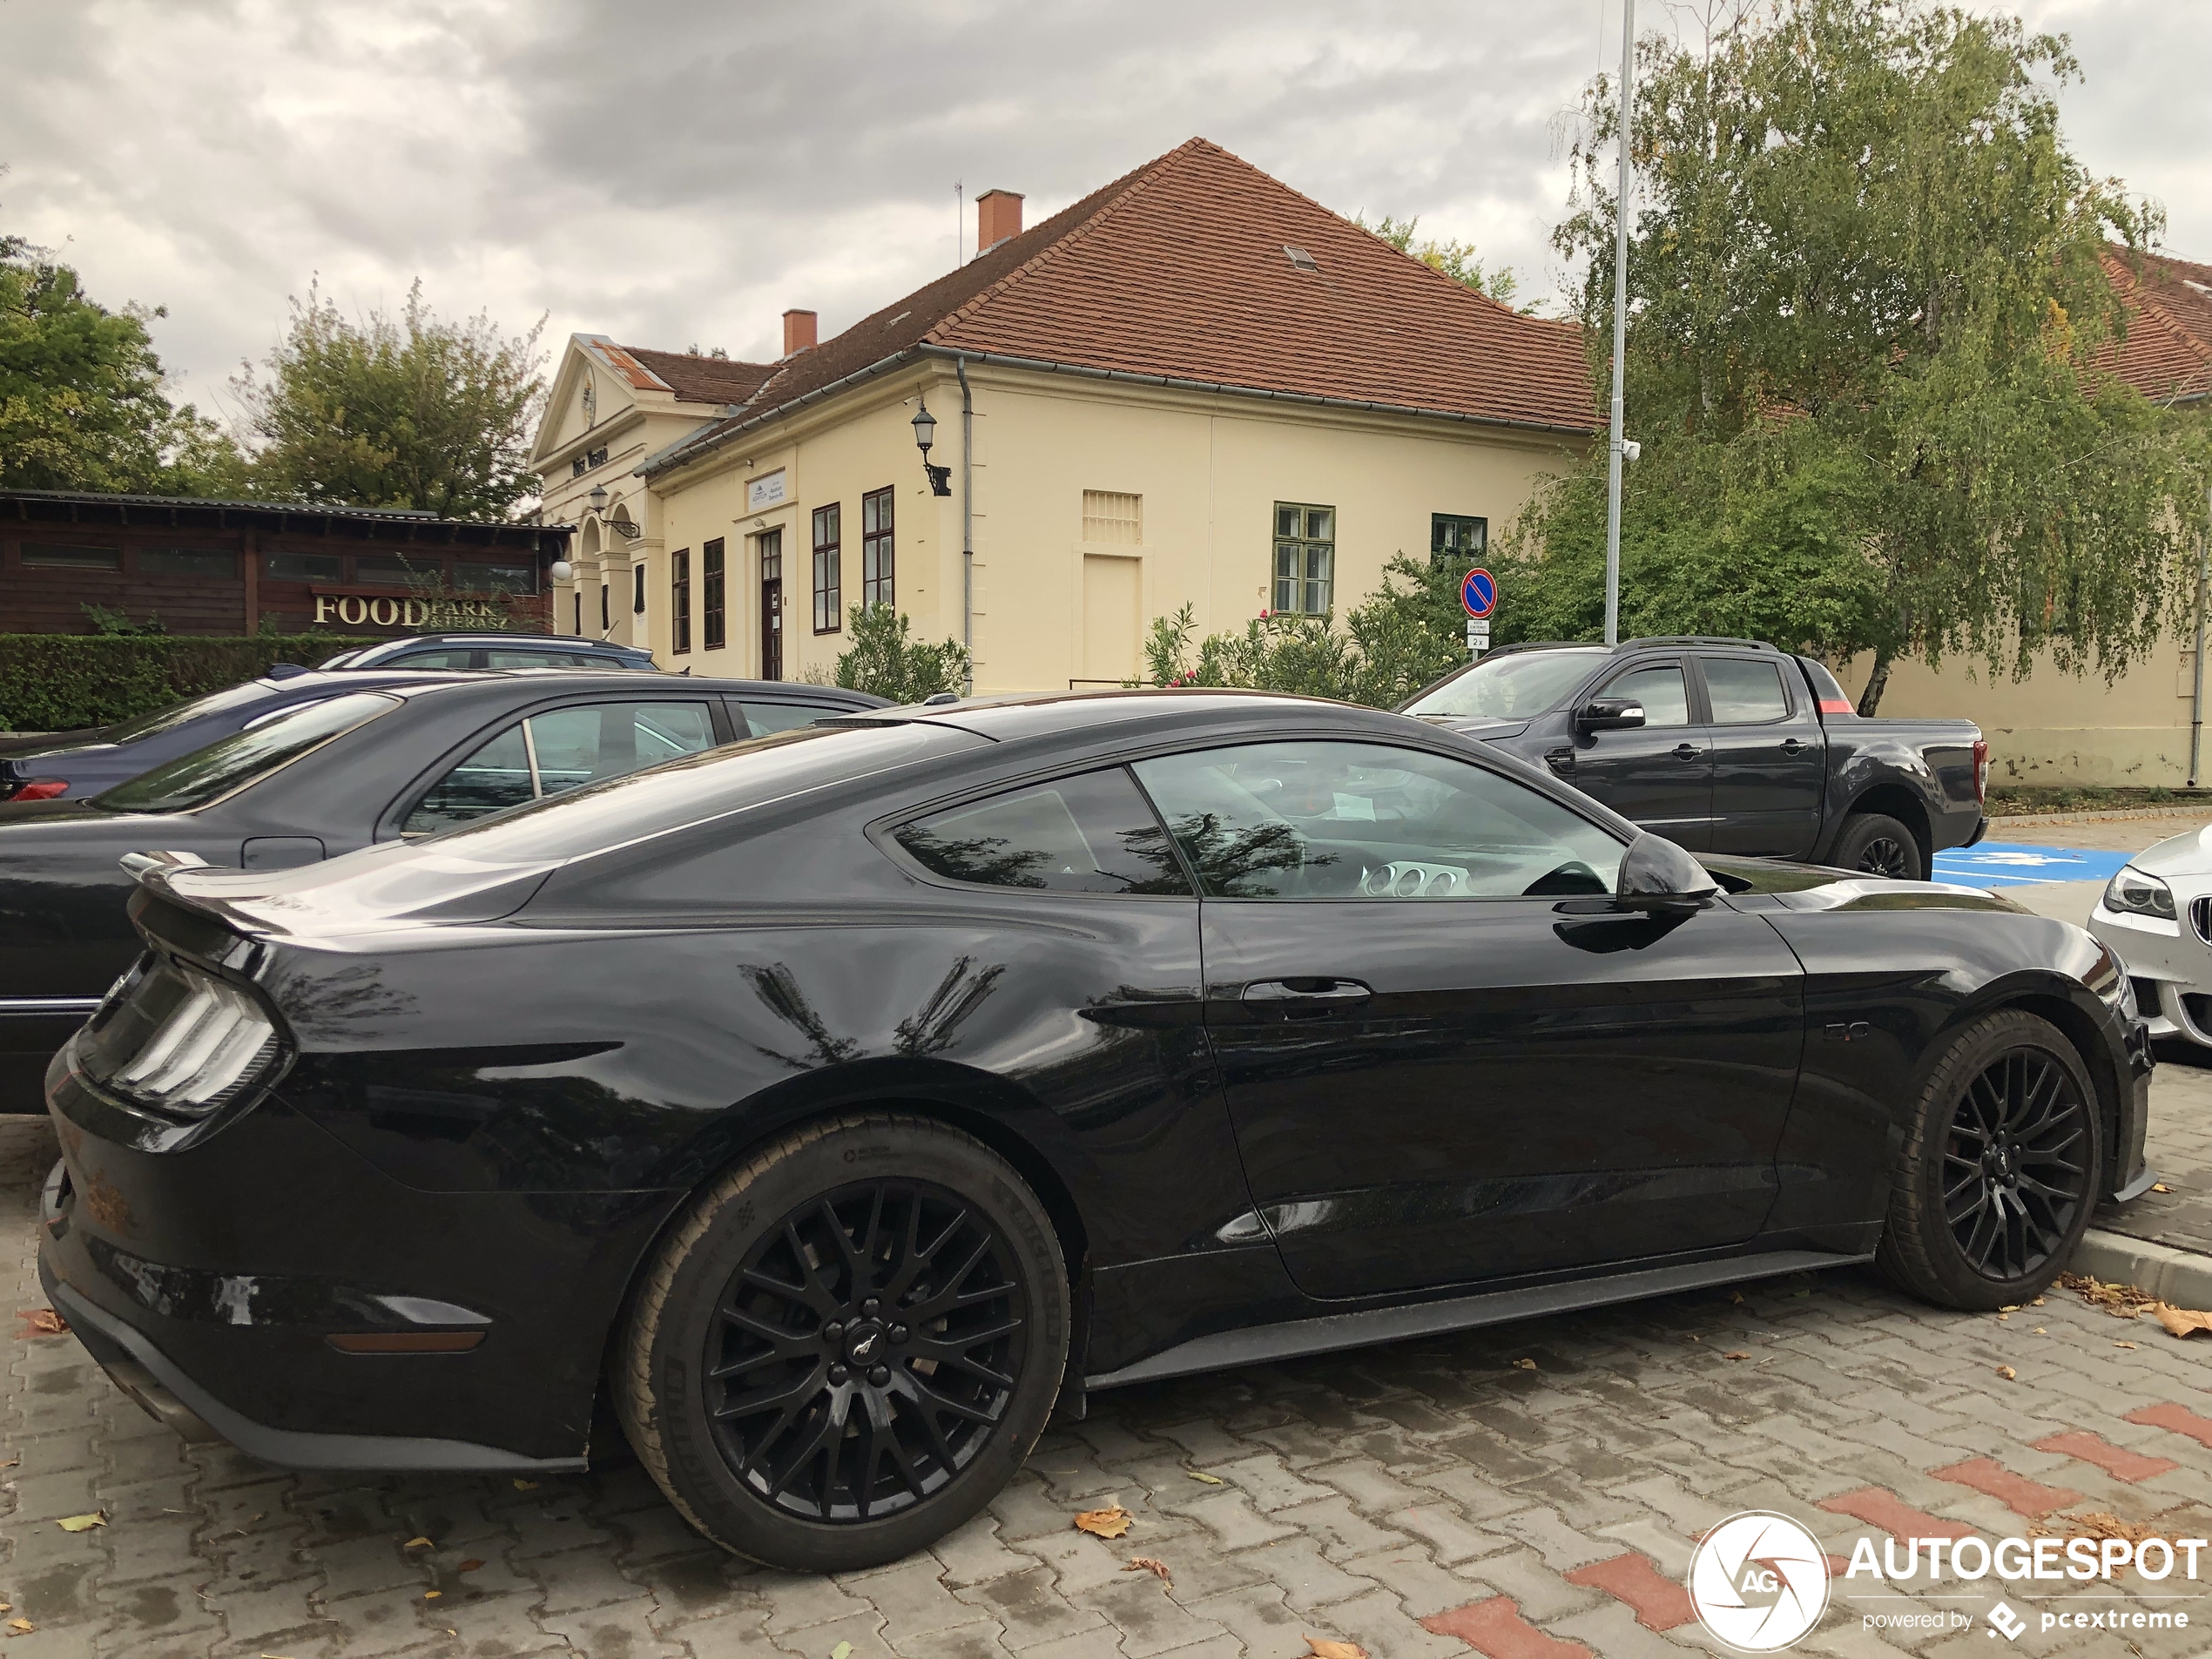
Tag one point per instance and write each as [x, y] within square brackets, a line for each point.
[236, 1282]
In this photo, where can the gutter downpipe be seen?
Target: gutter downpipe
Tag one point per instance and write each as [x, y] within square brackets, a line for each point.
[967, 532]
[2196, 694]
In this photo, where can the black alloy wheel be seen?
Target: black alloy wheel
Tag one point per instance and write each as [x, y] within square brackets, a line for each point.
[2016, 1168]
[2000, 1168]
[846, 1345]
[866, 1350]
[1876, 844]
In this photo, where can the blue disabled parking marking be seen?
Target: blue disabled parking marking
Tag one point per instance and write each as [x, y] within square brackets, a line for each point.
[2010, 863]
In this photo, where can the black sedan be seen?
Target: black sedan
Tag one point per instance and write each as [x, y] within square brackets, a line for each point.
[417, 754]
[79, 765]
[840, 1101]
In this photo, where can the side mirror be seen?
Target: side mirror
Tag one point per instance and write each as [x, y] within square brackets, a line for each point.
[1609, 714]
[1656, 875]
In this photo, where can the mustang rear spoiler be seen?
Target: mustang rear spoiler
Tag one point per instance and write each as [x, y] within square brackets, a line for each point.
[136, 865]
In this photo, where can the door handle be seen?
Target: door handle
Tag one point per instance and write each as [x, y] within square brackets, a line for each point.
[1687, 751]
[1793, 748]
[1306, 990]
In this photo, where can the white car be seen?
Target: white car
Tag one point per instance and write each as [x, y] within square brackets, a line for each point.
[2156, 916]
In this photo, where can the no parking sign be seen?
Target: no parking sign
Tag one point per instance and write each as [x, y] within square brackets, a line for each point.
[1479, 596]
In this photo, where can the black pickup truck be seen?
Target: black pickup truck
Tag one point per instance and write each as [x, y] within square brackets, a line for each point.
[1727, 745]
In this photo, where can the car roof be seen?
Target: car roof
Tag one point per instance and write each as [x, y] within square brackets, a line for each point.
[541, 642]
[628, 682]
[1009, 717]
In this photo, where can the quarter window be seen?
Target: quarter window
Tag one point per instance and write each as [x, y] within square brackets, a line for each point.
[1092, 834]
[766, 717]
[877, 557]
[557, 751]
[829, 573]
[1305, 556]
[1358, 820]
[679, 601]
[303, 567]
[1454, 538]
[1661, 690]
[1744, 693]
[715, 617]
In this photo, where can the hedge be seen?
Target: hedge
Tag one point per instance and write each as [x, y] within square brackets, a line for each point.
[62, 682]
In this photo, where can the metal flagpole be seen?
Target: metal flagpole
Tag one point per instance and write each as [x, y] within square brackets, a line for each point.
[1620, 331]
[2196, 694]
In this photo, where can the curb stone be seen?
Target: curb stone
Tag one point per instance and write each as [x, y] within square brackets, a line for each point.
[2181, 1276]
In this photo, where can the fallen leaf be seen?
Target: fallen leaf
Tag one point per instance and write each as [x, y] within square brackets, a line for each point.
[2125, 1345]
[2040, 1332]
[469, 1566]
[2008, 1373]
[2122, 1301]
[1736, 1354]
[2159, 1186]
[21, 1627]
[2010, 1307]
[1317, 1649]
[2004, 1315]
[1211, 1479]
[2181, 1322]
[2037, 1302]
[525, 1485]
[1524, 1365]
[41, 1322]
[2096, 1523]
[843, 1650]
[1736, 1296]
[83, 1523]
[1694, 1337]
[418, 1543]
[432, 1595]
[1110, 1523]
[1147, 1564]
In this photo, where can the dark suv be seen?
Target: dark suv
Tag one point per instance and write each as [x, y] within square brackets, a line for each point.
[494, 650]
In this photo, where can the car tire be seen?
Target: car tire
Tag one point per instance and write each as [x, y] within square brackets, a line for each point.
[1876, 844]
[2002, 1162]
[765, 1375]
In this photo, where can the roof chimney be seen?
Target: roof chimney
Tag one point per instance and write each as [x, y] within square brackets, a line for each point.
[798, 332]
[998, 215]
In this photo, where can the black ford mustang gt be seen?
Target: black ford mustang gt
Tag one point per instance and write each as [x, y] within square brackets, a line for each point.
[840, 1100]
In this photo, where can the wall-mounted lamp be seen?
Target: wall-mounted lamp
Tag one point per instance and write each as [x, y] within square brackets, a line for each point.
[622, 527]
[561, 571]
[941, 478]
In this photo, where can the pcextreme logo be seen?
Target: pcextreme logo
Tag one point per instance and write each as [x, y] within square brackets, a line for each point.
[1758, 1583]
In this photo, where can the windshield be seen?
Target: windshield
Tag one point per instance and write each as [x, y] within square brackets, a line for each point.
[230, 764]
[1512, 687]
[147, 726]
[608, 814]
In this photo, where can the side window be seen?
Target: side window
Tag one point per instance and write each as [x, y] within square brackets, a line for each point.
[766, 718]
[1353, 821]
[431, 659]
[538, 660]
[1661, 690]
[1094, 833]
[1745, 693]
[560, 749]
[496, 776]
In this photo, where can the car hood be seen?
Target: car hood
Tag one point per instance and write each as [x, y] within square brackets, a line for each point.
[1488, 731]
[2177, 855]
[1815, 887]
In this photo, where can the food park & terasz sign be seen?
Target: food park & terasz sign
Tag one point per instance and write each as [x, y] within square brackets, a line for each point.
[234, 568]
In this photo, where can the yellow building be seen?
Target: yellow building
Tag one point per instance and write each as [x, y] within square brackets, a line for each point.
[1195, 386]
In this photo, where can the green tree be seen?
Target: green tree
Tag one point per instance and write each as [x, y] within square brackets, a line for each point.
[884, 659]
[407, 411]
[1456, 259]
[1870, 330]
[81, 401]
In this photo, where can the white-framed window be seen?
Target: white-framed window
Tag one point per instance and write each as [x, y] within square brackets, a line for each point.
[1305, 557]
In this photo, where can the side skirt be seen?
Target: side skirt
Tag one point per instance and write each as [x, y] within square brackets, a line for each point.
[1333, 1331]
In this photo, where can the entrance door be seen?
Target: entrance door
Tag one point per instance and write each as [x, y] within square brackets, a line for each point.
[1769, 760]
[771, 605]
[1113, 617]
[1449, 1059]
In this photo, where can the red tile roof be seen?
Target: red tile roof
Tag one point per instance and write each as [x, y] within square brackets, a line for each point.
[2168, 353]
[1180, 270]
[702, 379]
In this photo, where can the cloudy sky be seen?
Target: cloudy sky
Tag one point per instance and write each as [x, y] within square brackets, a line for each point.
[677, 171]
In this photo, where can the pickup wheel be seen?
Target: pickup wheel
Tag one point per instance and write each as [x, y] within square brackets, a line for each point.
[1878, 844]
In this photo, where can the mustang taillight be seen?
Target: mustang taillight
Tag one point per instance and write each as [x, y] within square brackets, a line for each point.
[200, 1042]
[1981, 770]
[42, 789]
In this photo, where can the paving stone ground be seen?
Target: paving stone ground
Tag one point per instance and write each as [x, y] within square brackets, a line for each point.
[1531, 1491]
